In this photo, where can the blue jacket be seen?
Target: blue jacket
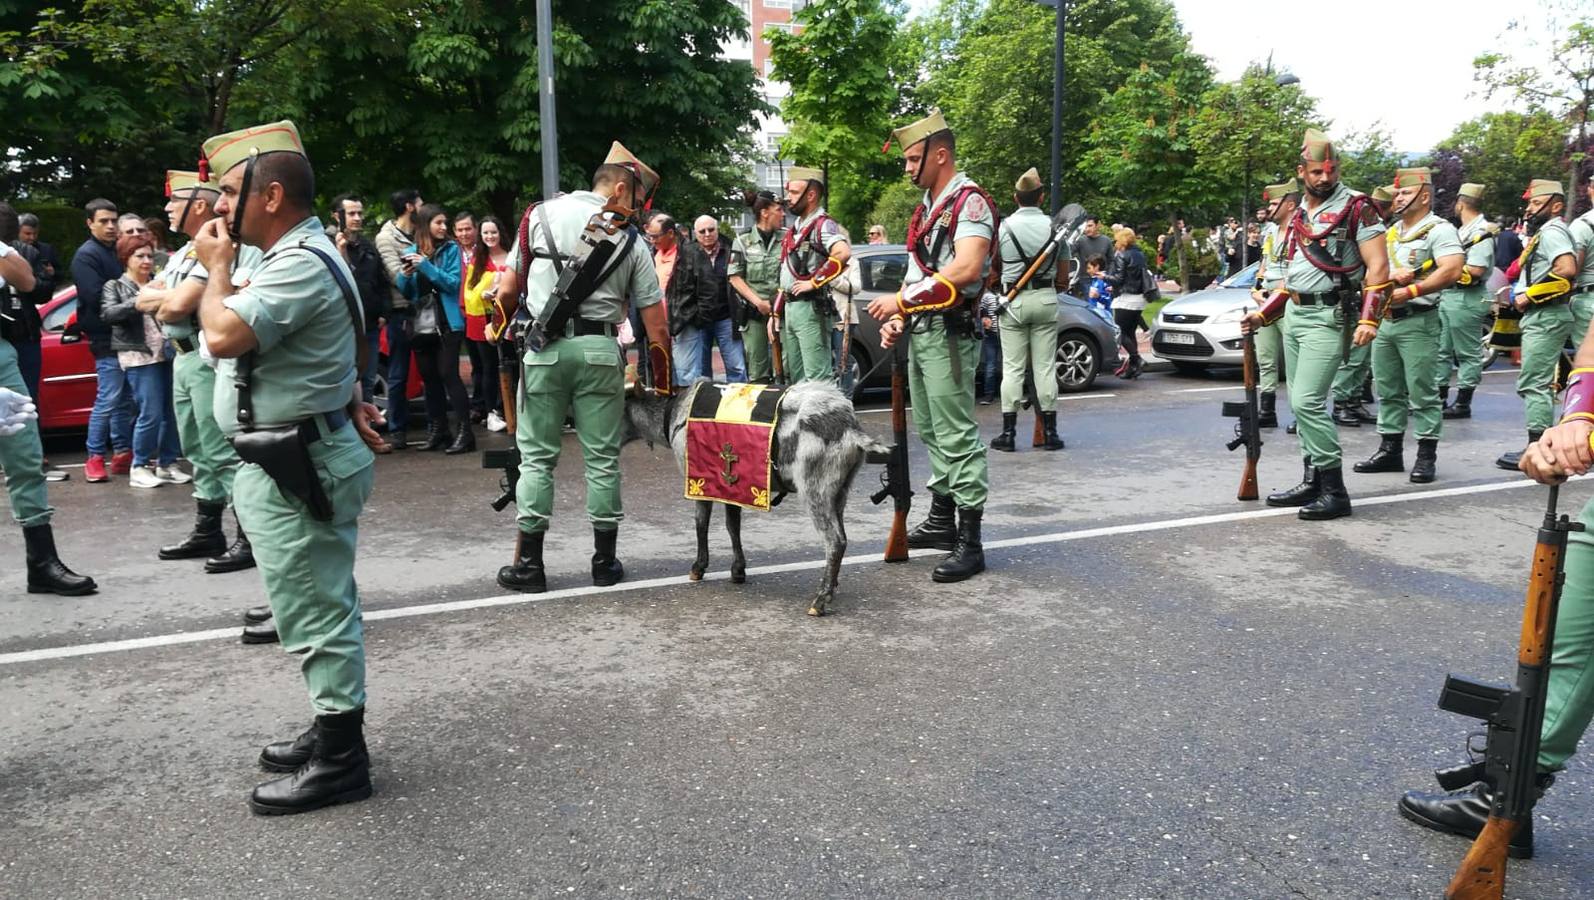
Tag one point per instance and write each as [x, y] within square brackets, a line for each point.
[440, 273]
[93, 266]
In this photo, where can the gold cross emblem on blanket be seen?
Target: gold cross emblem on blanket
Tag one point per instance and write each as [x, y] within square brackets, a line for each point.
[728, 454]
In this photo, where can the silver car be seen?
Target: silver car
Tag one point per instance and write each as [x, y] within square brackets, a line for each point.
[1086, 343]
[1203, 328]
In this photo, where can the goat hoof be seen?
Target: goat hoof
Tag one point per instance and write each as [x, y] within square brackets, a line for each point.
[696, 574]
[738, 574]
[818, 607]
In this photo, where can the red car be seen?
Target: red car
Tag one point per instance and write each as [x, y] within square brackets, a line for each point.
[68, 382]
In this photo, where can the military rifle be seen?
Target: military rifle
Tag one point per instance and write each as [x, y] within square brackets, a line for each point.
[894, 481]
[776, 361]
[1248, 430]
[1515, 716]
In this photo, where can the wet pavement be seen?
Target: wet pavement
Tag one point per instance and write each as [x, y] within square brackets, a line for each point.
[1155, 691]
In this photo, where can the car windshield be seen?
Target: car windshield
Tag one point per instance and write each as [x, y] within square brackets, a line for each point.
[56, 320]
[1243, 278]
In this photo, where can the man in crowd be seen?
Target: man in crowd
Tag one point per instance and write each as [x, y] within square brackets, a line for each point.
[1425, 257]
[370, 282]
[1028, 324]
[111, 419]
[1280, 202]
[1091, 242]
[28, 233]
[813, 254]
[1464, 306]
[1507, 244]
[754, 274]
[291, 339]
[1336, 245]
[1552, 312]
[715, 325]
[1351, 390]
[949, 249]
[578, 371]
[393, 241]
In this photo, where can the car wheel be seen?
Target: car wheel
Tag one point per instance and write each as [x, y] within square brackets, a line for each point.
[1078, 362]
[1490, 353]
[858, 363]
[1188, 368]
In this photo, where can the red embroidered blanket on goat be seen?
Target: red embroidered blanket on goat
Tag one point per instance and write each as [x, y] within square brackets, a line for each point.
[730, 443]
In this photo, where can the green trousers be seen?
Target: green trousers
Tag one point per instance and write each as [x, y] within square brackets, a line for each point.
[1545, 331]
[755, 344]
[21, 454]
[581, 377]
[1029, 342]
[805, 340]
[1352, 374]
[308, 566]
[1269, 351]
[215, 463]
[1403, 363]
[943, 411]
[1569, 702]
[1313, 342]
[1462, 314]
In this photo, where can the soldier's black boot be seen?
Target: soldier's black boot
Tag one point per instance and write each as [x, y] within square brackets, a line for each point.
[1054, 441]
[1427, 456]
[1464, 813]
[46, 573]
[206, 540]
[526, 574]
[437, 436]
[1004, 441]
[261, 632]
[968, 554]
[1389, 457]
[338, 770]
[1332, 501]
[398, 440]
[1462, 408]
[464, 439]
[1268, 416]
[1509, 460]
[939, 530]
[254, 615]
[286, 756]
[1444, 396]
[1345, 413]
[1301, 494]
[606, 569]
[236, 558]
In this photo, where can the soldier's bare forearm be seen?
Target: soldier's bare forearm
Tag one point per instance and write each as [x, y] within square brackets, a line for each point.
[227, 335]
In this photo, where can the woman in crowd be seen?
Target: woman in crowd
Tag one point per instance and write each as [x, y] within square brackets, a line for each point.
[478, 274]
[142, 352]
[1253, 244]
[494, 239]
[1127, 277]
[431, 275]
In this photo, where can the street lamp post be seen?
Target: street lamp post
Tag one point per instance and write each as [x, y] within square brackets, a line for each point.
[545, 100]
[1059, 70]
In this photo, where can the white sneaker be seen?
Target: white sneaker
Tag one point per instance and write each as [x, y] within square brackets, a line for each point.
[144, 477]
[495, 422]
[172, 475]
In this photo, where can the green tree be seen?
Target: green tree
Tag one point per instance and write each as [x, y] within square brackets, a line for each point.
[894, 209]
[1504, 151]
[1367, 158]
[1250, 130]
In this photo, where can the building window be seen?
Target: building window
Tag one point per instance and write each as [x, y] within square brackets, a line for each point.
[772, 143]
[779, 4]
[746, 6]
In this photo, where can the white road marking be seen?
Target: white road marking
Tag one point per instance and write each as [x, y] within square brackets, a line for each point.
[864, 412]
[453, 606]
[1085, 396]
[1230, 387]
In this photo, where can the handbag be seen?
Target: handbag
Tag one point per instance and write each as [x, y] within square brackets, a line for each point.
[427, 323]
[1148, 285]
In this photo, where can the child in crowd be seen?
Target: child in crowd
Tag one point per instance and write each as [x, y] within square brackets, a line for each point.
[990, 342]
[1099, 291]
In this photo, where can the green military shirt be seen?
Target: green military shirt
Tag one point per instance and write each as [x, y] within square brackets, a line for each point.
[756, 257]
[1477, 241]
[976, 219]
[1551, 242]
[1429, 238]
[1021, 238]
[185, 265]
[807, 257]
[567, 217]
[304, 364]
[1582, 231]
[1303, 277]
[1273, 266]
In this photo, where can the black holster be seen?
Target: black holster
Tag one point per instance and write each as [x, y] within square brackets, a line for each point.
[284, 454]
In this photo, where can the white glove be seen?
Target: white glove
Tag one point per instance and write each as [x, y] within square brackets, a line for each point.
[16, 412]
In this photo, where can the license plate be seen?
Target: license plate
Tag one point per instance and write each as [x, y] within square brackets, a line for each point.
[1179, 337]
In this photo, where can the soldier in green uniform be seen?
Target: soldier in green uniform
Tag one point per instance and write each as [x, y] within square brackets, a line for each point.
[1582, 231]
[1464, 306]
[949, 248]
[813, 254]
[579, 371]
[754, 273]
[1282, 200]
[289, 401]
[1354, 375]
[1336, 243]
[1425, 257]
[22, 458]
[1551, 313]
[1029, 323]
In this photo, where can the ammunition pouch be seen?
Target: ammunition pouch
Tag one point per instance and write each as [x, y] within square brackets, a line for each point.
[284, 454]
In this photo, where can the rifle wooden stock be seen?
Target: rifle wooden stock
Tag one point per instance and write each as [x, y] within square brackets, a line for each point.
[777, 362]
[897, 540]
[1039, 438]
[506, 390]
[1481, 875]
[1248, 488]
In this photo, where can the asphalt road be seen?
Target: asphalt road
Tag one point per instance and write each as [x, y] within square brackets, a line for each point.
[1156, 691]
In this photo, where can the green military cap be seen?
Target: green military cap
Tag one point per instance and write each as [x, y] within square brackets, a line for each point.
[1383, 194]
[1029, 181]
[1316, 147]
[1472, 189]
[625, 159]
[804, 173]
[1280, 191]
[1541, 187]
[224, 151]
[1412, 177]
[177, 180]
[908, 135]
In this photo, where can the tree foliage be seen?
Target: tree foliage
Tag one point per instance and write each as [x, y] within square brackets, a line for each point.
[1248, 133]
[1503, 151]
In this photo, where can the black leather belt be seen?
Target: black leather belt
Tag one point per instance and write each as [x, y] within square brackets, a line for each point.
[184, 345]
[311, 428]
[588, 327]
[1035, 284]
[1396, 313]
[1329, 298]
[1585, 289]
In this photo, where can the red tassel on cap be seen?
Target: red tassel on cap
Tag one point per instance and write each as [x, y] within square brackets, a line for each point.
[1528, 194]
[887, 147]
[204, 170]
